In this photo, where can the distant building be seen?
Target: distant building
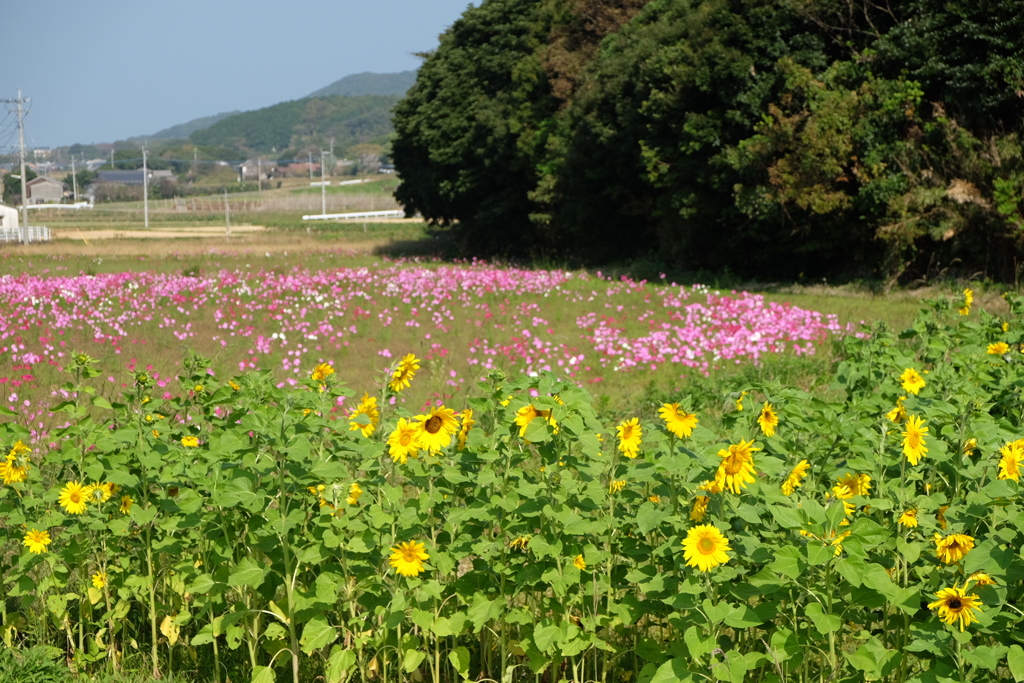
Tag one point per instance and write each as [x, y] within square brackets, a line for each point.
[43, 190]
[133, 177]
[8, 218]
[94, 164]
[251, 169]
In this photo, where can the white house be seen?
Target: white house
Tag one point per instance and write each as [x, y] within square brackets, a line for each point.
[8, 218]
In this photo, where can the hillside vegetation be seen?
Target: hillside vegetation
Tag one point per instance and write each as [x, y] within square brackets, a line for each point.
[769, 138]
[288, 128]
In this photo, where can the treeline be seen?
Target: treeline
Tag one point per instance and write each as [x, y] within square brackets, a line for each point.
[769, 138]
[292, 129]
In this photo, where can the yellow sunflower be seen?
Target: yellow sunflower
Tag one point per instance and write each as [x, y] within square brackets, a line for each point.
[436, 428]
[980, 578]
[580, 563]
[1009, 463]
[912, 381]
[970, 446]
[96, 493]
[796, 476]
[677, 420]
[126, 505]
[36, 541]
[73, 498]
[737, 467]
[408, 558]
[99, 580]
[768, 420]
[630, 434]
[467, 424]
[521, 543]
[705, 547]
[951, 549]
[354, 491]
[699, 509]
[968, 300]
[913, 440]
[908, 518]
[859, 484]
[401, 376]
[899, 413]
[998, 349]
[528, 413]
[739, 401]
[368, 408]
[190, 442]
[321, 372]
[404, 442]
[616, 486]
[956, 605]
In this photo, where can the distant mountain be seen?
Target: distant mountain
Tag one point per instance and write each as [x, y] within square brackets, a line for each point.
[369, 84]
[301, 125]
[183, 130]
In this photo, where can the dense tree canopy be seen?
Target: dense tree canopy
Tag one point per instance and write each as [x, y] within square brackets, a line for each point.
[770, 137]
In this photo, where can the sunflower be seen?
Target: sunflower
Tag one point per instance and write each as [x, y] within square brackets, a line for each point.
[401, 376]
[940, 517]
[768, 420]
[467, 424]
[14, 469]
[437, 428]
[899, 413]
[1009, 463]
[367, 407]
[96, 493]
[521, 543]
[36, 541]
[859, 484]
[951, 549]
[190, 442]
[908, 518]
[354, 491]
[956, 605]
[654, 498]
[321, 372]
[73, 498]
[404, 442]
[980, 578]
[699, 509]
[704, 547]
[970, 446]
[616, 486]
[528, 413]
[579, 563]
[630, 434]
[99, 580]
[677, 421]
[793, 481]
[968, 300]
[913, 440]
[126, 505]
[912, 381]
[998, 349]
[739, 401]
[737, 467]
[408, 558]
[712, 486]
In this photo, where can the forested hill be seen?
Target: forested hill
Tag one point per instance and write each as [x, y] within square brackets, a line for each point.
[369, 83]
[310, 123]
[869, 138]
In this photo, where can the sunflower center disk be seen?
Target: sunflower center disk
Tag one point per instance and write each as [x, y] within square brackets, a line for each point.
[433, 425]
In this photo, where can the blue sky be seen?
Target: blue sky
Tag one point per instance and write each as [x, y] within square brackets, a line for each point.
[111, 69]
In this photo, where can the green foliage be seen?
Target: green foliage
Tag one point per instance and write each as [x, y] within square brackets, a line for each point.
[12, 185]
[760, 137]
[300, 124]
[236, 533]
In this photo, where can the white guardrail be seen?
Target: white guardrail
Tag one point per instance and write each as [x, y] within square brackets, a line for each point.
[348, 216]
[36, 233]
[79, 205]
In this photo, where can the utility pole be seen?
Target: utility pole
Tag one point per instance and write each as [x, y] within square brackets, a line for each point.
[323, 185]
[74, 180]
[227, 215]
[19, 102]
[332, 154]
[112, 167]
[145, 187]
[259, 175]
[310, 167]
